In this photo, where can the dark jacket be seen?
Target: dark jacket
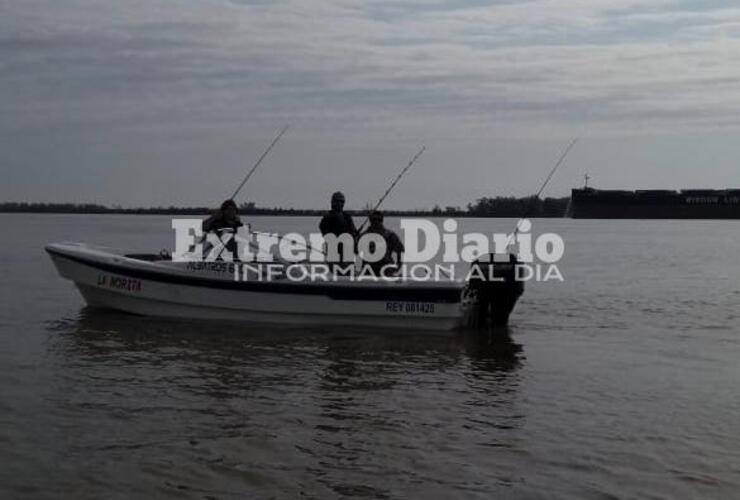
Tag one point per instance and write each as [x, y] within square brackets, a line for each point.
[217, 221]
[337, 223]
[393, 244]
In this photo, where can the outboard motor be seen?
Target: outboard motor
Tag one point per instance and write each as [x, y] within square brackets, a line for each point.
[492, 291]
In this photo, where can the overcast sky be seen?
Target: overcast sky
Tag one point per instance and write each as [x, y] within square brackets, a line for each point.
[159, 102]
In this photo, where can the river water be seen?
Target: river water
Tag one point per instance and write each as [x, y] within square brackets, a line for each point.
[623, 381]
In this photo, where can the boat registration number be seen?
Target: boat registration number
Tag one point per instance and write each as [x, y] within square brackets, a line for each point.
[410, 307]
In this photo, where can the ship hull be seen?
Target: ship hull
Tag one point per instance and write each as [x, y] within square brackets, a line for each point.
[697, 204]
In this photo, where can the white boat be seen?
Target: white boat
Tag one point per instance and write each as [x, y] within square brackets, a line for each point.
[155, 285]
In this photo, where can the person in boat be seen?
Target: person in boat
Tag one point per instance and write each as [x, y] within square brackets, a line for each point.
[391, 262]
[337, 222]
[225, 218]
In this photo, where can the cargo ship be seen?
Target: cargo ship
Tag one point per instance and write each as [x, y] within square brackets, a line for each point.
[590, 203]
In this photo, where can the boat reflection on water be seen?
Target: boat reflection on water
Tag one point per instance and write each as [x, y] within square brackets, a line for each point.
[103, 335]
[493, 349]
[313, 410]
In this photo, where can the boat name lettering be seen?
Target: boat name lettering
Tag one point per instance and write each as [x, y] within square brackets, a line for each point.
[702, 200]
[219, 267]
[128, 284]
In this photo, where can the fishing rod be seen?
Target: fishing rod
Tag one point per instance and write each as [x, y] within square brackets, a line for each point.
[393, 184]
[257, 164]
[557, 165]
[554, 169]
[259, 161]
[380, 201]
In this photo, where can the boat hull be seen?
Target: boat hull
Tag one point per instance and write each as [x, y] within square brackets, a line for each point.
[113, 281]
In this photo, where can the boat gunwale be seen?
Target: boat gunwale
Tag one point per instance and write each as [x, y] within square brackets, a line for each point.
[439, 293]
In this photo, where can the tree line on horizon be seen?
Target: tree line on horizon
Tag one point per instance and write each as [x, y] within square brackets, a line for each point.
[499, 206]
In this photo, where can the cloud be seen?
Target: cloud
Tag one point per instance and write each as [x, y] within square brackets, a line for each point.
[423, 68]
[560, 61]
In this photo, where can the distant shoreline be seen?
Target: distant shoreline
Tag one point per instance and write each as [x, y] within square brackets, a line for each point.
[485, 207]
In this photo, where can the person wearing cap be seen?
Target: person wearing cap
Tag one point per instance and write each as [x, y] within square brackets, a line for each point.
[337, 221]
[225, 218]
[393, 259]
